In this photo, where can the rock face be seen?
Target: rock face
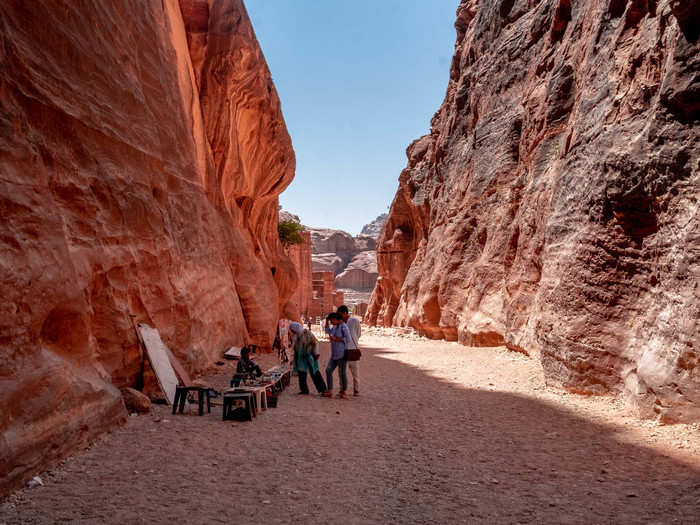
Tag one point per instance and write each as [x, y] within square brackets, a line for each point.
[142, 151]
[300, 255]
[365, 242]
[361, 274]
[554, 205]
[333, 241]
[374, 228]
[327, 262]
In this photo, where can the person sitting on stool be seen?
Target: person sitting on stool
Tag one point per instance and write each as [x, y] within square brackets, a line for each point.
[245, 364]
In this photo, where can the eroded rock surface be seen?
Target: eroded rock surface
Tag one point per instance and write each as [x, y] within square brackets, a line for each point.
[366, 242]
[142, 150]
[324, 241]
[554, 205]
[285, 216]
[300, 255]
[374, 228]
[360, 274]
[327, 262]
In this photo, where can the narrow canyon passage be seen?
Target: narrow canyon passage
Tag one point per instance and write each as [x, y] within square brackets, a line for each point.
[441, 434]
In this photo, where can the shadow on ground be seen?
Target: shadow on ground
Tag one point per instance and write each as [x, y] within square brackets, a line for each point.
[412, 449]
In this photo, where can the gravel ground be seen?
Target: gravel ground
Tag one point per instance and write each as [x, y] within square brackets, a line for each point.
[441, 434]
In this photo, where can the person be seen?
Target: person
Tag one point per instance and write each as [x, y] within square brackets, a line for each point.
[339, 335]
[283, 332]
[245, 364]
[306, 355]
[353, 324]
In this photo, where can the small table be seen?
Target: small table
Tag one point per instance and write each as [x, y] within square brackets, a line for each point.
[280, 376]
[259, 393]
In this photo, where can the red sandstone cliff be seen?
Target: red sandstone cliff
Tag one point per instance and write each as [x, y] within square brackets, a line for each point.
[142, 150]
[300, 255]
[554, 205]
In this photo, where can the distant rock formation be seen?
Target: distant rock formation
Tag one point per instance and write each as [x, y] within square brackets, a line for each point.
[361, 274]
[365, 242]
[374, 228]
[285, 216]
[353, 258]
[326, 241]
[553, 207]
[327, 262]
[142, 150]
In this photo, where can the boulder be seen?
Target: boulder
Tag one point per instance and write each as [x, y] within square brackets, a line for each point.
[135, 401]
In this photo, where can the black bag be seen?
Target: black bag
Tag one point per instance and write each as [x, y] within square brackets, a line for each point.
[353, 354]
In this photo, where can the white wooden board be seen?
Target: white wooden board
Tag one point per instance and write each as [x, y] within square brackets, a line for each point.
[233, 353]
[157, 355]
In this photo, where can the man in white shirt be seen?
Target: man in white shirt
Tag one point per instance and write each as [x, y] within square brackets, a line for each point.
[353, 324]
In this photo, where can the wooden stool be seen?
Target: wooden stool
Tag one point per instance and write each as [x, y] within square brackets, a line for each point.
[246, 397]
[181, 395]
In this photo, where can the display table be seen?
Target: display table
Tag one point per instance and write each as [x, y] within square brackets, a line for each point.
[259, 392]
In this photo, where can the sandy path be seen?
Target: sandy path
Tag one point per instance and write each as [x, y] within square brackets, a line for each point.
[441, 434]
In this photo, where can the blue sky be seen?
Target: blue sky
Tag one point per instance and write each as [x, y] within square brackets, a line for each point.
[359, 81]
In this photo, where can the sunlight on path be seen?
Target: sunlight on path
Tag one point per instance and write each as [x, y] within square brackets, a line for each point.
[498, 369]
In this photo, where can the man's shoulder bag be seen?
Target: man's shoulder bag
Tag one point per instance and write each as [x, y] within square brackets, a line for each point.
[352, 354]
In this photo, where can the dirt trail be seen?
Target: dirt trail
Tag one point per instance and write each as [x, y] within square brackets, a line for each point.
[441, 434]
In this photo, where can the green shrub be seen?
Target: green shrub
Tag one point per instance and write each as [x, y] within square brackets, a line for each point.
[289, 232]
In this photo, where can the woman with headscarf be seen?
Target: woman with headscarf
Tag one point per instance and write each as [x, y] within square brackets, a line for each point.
[306, 355]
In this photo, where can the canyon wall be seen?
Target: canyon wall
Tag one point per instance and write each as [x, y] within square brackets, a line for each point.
[300, 255]
[142, 150]
[553, 207]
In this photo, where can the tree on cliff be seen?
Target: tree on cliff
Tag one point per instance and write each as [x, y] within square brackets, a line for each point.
[289, 232]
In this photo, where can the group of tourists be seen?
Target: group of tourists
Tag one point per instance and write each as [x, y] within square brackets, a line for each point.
[344, 333]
